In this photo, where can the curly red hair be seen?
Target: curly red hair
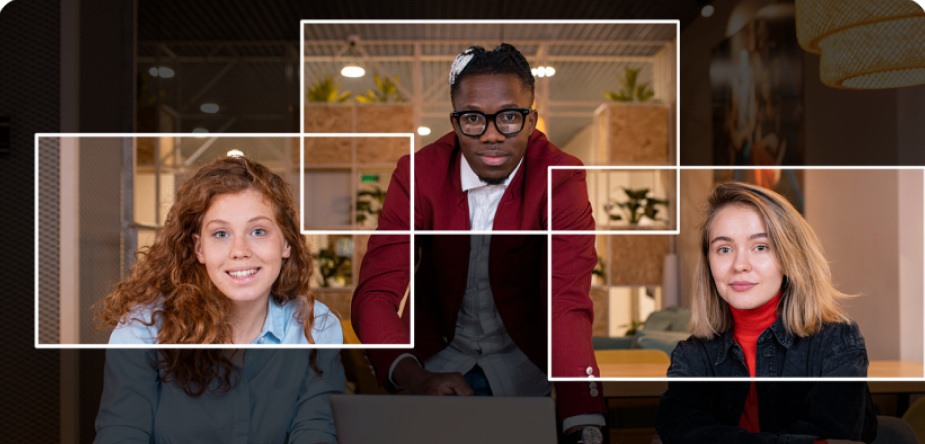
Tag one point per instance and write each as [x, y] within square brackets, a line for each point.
[168, 278]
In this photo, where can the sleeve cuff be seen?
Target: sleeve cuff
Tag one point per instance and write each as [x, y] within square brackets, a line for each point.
[399, 358]
[594, 419]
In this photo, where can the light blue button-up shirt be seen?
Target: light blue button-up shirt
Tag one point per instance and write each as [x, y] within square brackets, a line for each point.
[278, 397]
[280, 327]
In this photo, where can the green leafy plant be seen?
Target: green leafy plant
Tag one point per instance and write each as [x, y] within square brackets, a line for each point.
[373, 205]
[326, 90]
[599, 269]
[637, 206]
[331, 265]
[632, 91]
[387, 91]
[634, 326]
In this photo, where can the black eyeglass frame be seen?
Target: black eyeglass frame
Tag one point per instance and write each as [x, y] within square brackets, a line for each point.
[491, 117]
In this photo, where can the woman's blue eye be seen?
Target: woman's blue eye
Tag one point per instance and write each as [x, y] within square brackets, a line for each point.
[259, 232]
[762, 248]
[724, 250]
[220, 234]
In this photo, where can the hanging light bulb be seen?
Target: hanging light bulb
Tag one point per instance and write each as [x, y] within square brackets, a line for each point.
[543, 71]
[707, 11]
[235, 153]
[864, 44]
[352, 71]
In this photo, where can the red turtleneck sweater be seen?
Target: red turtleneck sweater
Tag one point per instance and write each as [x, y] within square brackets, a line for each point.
[749, 324]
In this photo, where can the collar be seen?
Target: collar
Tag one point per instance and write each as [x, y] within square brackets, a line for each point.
[470, 180]
[274, 327]
[777, 329]
[751, 323]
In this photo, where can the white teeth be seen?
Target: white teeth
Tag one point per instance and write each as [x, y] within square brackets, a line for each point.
[242, 274]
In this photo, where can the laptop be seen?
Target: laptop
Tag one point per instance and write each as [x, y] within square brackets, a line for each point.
[387, 419]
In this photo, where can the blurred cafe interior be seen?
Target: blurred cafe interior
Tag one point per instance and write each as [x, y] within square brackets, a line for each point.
[755, 101]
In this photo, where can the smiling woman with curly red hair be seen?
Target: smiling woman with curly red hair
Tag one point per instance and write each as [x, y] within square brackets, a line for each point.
[187, 287]
[229, 267]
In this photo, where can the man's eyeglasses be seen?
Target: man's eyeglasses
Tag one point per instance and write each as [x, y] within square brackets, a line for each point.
[508, 121]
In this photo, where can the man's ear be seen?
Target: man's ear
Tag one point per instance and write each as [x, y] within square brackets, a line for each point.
[197, 247]
[453, 124]
[531, 121]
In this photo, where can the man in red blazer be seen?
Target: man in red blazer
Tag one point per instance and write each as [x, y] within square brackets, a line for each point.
[480, 304]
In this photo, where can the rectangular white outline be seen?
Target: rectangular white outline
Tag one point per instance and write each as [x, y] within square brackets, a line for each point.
[700, 379]
[677, 186]
[677, 116]
[410, 136]
[36, 343]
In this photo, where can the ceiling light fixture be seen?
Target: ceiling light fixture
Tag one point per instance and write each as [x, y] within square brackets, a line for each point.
[210, 108]
[352, 71]
[163, 71]
[864, 44]
[543, 71]
[235, 153]
[707, 11]
[423, 131]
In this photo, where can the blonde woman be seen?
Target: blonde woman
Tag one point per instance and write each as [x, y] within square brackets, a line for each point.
[764, 305]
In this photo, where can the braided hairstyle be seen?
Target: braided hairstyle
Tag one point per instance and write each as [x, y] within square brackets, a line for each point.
[504, 59]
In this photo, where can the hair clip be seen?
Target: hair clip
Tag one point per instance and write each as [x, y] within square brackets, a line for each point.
[460, 63]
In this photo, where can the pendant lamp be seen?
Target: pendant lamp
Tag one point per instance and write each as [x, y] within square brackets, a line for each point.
[864, 44]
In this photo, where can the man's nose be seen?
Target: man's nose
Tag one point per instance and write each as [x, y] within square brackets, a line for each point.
[491, 134]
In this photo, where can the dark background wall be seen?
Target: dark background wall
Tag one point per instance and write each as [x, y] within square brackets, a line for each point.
[29, 67]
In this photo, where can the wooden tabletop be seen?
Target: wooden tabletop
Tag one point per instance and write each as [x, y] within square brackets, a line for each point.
[895, 369]
[642, 389]
[877, 369]
[655, 389]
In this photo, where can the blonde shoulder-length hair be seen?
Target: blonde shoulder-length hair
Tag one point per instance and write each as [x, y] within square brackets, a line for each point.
[808, 299]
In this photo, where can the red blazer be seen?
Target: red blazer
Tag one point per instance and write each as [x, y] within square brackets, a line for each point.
[518, 267]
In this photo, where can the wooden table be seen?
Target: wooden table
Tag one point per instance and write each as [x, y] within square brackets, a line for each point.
[895, 369]
[877, 369]
[654, 389]
[643, 389]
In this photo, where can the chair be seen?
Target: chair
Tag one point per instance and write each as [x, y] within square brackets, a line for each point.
[350, 336]
[892, 430]
[637, 356]
[915, 416]
[661, 331]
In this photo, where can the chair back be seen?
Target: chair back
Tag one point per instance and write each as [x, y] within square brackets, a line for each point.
[915, 416]
[350, 337]
[634, 356]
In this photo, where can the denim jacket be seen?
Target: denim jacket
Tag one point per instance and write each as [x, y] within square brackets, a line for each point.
[789, 412]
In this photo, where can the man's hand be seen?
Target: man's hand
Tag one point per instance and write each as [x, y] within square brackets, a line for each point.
[417, 381]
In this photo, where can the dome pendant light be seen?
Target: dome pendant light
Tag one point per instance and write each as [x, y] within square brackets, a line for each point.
[864, 44]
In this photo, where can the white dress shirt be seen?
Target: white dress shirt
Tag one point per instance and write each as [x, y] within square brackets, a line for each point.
[480, 336]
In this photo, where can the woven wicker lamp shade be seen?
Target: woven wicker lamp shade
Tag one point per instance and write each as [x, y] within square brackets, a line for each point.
[864, 44]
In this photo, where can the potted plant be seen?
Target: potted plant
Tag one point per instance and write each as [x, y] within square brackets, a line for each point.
[632, 91]
[332, 266]
[387, 91]
[369, 205]
[637, 206]
[326, 90]
[329, 110]
[634, 128]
